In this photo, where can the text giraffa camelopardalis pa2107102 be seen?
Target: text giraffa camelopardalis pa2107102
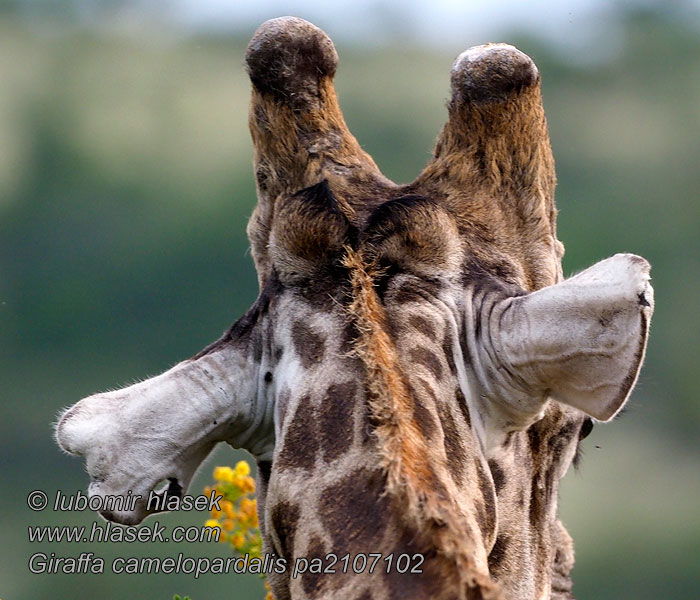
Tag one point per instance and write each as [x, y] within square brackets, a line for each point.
[415, 375]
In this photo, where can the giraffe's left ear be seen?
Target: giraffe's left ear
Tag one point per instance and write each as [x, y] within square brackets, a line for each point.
[581, 342]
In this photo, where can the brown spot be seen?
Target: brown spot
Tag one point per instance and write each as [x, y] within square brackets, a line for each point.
[422, 415]
[449, 351]
[355, 511]
[313, 582]
[284, 518]
[428, 359]
[336, 419]
[557, 442]
[308, 345]
[499, 477]
[404, 296]
[262, 176]
[366, 595]
[462, 404]
[422, 324]
[482, 518]
[454, 450]
[498, 552]
[300, 442]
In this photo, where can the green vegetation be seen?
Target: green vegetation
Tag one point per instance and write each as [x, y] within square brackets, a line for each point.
[125, 185]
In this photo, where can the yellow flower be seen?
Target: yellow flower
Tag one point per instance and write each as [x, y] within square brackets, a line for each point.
[237, 520]
[242, 468]
[248, 507]
[224, 474]
[237, 540]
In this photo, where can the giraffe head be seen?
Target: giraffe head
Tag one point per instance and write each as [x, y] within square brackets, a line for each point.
[415, 342]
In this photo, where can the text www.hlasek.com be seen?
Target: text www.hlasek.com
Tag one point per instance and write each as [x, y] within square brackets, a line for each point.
[117, 533]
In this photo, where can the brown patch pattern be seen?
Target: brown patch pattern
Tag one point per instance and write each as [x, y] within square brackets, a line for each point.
[454, 450]
[423, 417]
[428, 359]
[313, 581]
[284, 518]
[423, 325]
[336, 419]
[308, 345]
[499, 477]
[355, 512]
[300, 442]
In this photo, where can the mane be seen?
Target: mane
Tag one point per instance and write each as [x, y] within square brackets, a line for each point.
[412, 477]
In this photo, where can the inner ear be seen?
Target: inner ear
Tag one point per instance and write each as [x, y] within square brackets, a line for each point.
[309, 233]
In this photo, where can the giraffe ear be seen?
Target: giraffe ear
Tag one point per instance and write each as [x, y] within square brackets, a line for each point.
[581, 341]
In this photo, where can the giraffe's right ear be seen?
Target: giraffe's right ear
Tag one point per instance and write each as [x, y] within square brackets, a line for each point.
[581, 342]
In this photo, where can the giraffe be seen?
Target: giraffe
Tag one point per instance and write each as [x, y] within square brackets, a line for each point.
[416, 374]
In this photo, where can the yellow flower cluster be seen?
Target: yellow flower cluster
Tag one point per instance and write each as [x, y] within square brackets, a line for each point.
[238, 517]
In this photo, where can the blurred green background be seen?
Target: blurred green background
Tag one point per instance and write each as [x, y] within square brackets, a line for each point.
[126, 182]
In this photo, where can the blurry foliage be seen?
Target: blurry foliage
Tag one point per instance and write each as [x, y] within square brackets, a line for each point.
[125, 186]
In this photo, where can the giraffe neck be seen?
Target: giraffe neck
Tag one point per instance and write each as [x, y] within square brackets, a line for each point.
[373, 451]
[379, 450]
